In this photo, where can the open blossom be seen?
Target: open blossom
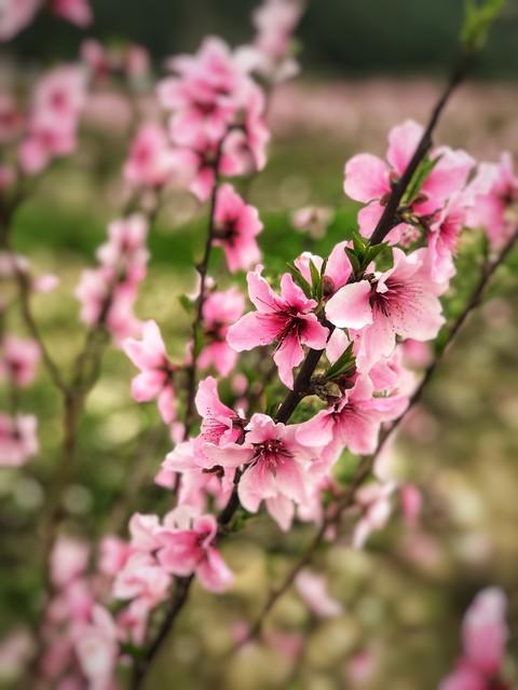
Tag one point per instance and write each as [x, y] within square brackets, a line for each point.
[157, 372]
[236, 226]
[288, 320]
[15, 15]
[275, 21]
[271, 54]
[495, 200]
[19, 359]
[485, 636]
[369, 179]
[151, 161]
[142, 578]
[107, 293]
[400, 301]
[220, 310]
[205, 93]
[217, 115]
[443, 237]
[77, 12]
[97, 649]
[18, 440]
[353, 422]
[69, 559]
[274, 464]
[189, 549]
[57, 101]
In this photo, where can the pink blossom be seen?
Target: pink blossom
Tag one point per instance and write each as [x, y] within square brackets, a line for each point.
[369, 179]
[236, 226]
[142, 578]
[201, 94]
[288, 320]
[113, 554]
[57, 101]
[151, 161]
[69, 559]
[188, 551]
[401, 301]
[353, 422]
[217, 115]
[18, 440]
[271, 54]
[220, 424]
[495, 200]
[443, 236]
[275, 465]
[485, 632]
[107, 293]
[143, 529]
[275, 21]
[485, 636]
[313, 590]
[220, 310]
[96, 646]
[157, 372]
[15, 15]
[19, 359]
[77, 12]
[411, 503]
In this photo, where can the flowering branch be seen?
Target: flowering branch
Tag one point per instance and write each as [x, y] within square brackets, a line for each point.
[365, 467]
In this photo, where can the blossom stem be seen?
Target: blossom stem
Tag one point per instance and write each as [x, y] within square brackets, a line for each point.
[367, 463]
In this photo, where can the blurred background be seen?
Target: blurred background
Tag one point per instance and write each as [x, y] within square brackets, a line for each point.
[366, 67]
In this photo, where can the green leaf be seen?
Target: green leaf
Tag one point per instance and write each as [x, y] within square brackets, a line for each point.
[198, 340]
[186, 304]
[316, 279]
[355, 262]
[300, 280]
[344, 363]
[479, 15]
[419, 178]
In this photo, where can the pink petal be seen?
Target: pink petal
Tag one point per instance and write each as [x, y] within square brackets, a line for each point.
[288, 355]
[349, 307]
[213, 572]
[366, 178]
[403, 141]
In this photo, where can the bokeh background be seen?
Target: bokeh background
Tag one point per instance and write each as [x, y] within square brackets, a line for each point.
[366, 66]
